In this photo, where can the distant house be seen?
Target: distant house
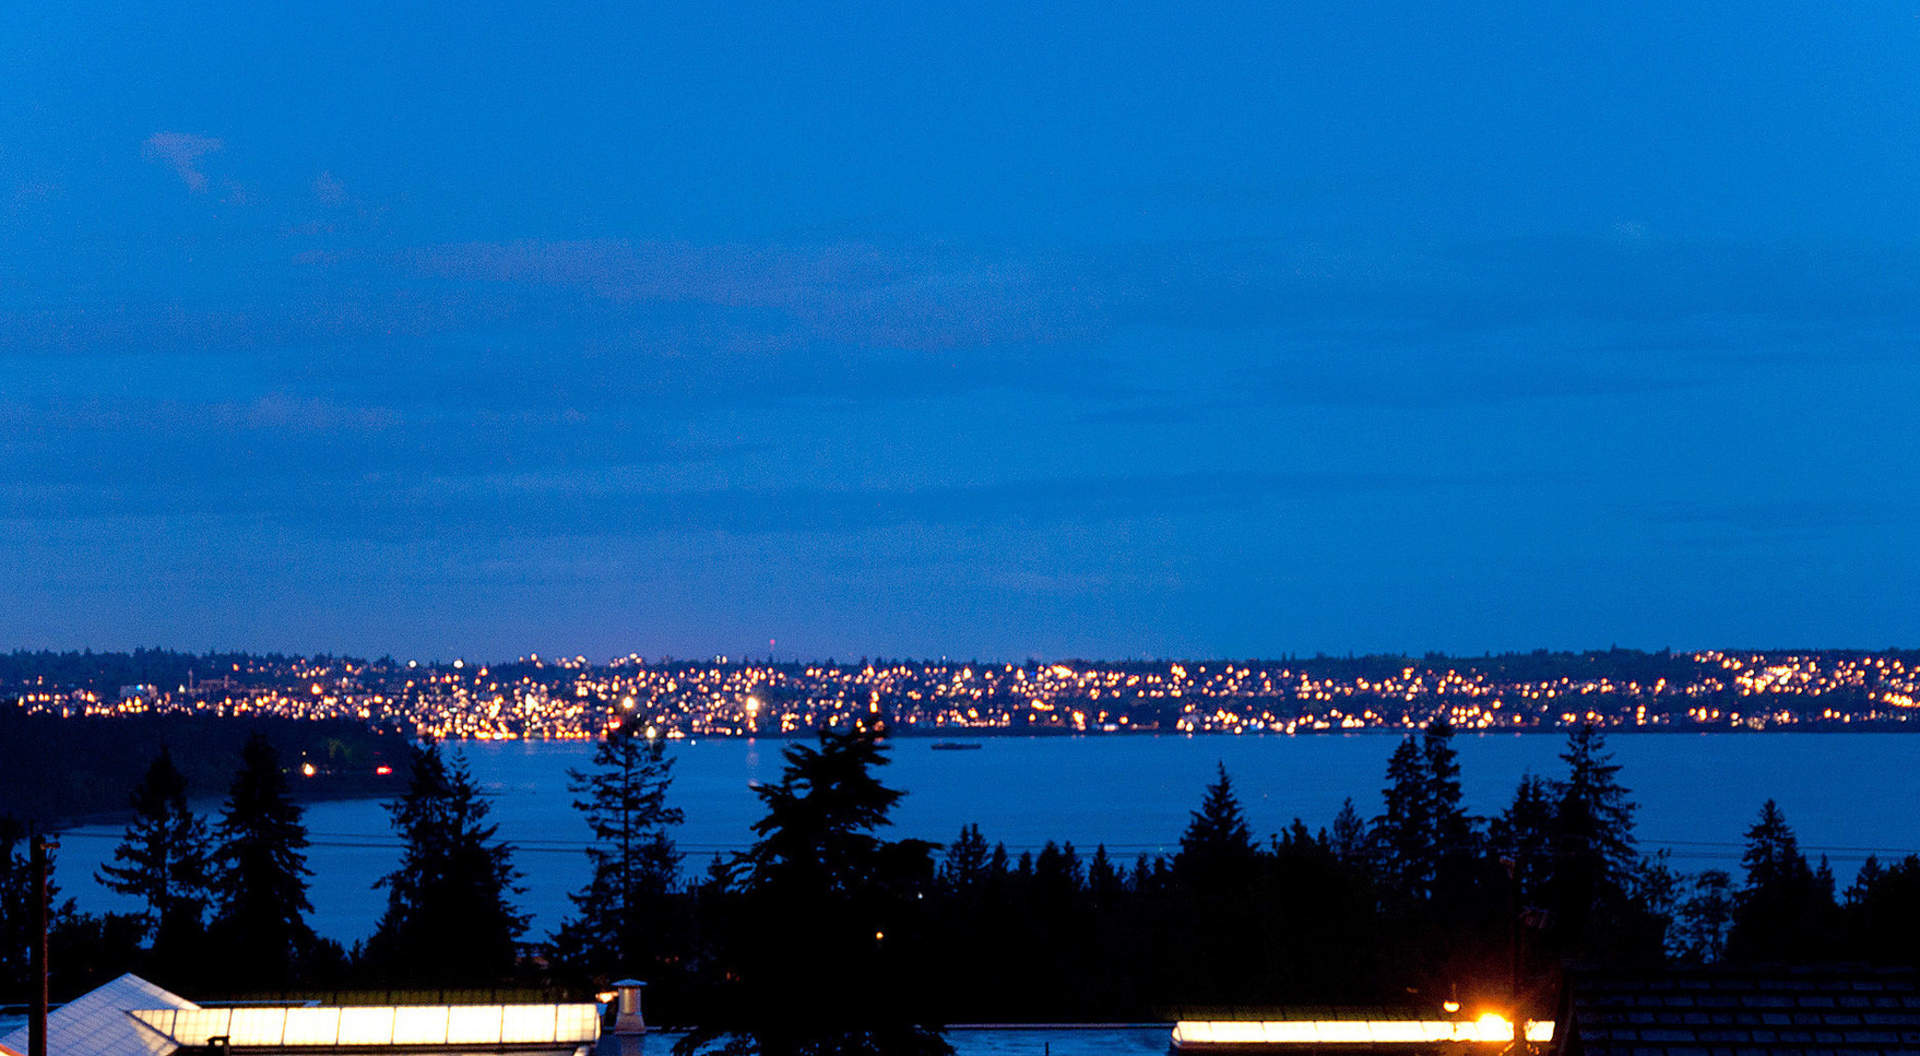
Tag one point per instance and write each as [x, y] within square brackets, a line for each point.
[132, 1017]
[1779, 1011]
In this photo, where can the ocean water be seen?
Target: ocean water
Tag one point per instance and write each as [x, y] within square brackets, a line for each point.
[1845, 794]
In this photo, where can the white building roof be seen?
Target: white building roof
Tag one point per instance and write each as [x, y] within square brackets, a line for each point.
[385, 1026]
[98, 1024]
[132, 1017]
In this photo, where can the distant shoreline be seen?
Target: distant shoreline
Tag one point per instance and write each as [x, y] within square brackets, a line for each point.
[303, 789]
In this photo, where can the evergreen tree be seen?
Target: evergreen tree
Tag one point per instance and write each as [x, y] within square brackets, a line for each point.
[1105, 883]
[1402, 836]
[1654, 893]
[1864, 880]
[623, 921]
[1595, 816]
[1424, 843]
[1453, 870]
[1217, 849]
[1785, 912]
[85, 950]
[449, 916]
[260, 876]
[164, 860]
[1349, 838]
[1453, 836]
[999, 865]
[1057, 877]
[1523, 835]
[1883, 912]
[1706, 915]
[965, 866]
[1772, 857]
[1594, 857]
[831, 928]
[719, 878]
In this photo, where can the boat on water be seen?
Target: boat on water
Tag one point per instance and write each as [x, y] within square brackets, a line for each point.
[955, 746]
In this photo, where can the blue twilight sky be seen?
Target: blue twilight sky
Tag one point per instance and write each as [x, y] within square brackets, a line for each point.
[1011, 330]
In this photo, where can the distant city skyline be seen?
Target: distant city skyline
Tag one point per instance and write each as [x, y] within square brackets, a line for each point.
[1007, 332]
[574, 698]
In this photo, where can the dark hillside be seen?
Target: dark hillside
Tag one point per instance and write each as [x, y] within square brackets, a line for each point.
[54, 769]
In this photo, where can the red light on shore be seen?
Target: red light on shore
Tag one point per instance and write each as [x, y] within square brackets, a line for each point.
[382, 770]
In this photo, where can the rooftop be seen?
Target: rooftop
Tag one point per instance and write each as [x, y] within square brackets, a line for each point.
[132, 1017]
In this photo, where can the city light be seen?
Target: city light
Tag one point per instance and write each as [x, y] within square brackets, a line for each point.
[572, 699]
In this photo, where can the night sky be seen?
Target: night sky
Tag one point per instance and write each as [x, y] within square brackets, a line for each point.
[1017, 331]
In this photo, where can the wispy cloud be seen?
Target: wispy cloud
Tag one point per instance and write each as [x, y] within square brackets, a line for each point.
[182, 152]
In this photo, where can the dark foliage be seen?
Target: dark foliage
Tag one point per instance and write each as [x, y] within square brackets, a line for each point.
[450, 919]
[260, 878]
[828, 937]
[624, 918]
[831, 926]
[59, 769]
[1786, 910]
[165, 861]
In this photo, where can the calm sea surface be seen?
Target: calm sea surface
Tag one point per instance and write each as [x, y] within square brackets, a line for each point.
[1845, 794]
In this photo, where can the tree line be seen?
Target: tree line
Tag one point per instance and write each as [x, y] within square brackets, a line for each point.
[59, 769]
[825, 929]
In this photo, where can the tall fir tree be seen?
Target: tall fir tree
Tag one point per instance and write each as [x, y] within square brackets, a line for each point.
[1403, 834]
[1349, 838]
[1595, 813]
[450, 916]
[622, 919]
[1883, 912]
[1593, 849]
[820, 962]
[1454, 841]
[1785, 911]
[1523, 837]
[164, 860]
[1105, 882]
[1705, 916]
[965, 865]
[1425, 840]
[260, 876]
[1217, 852]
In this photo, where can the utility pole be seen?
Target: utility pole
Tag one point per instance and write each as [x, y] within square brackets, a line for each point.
[37, 1026]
